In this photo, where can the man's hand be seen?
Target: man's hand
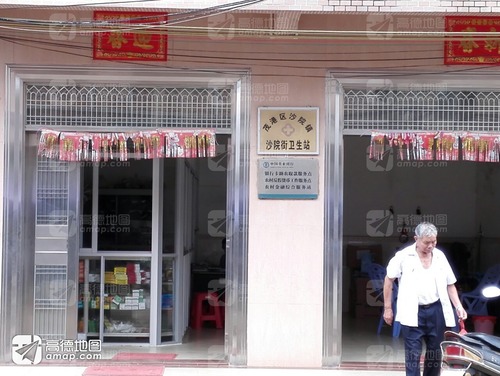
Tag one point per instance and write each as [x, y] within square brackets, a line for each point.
[388, 316]
[461, 313]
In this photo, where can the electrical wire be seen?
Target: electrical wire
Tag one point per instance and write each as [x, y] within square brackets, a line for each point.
[124, 24]
[268, 37]
[278, 73]
[259, 55]
[93, 4]
[172, 26]
[262, 56]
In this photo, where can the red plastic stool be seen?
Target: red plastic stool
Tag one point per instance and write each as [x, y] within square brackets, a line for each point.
[205, 307]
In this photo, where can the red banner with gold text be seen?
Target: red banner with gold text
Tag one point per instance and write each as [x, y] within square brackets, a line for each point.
[136, 42]
[468, 49]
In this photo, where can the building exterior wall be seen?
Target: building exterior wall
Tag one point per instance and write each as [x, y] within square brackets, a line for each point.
[285, 271]
[285, 253]
[313, 5]
[285, 293]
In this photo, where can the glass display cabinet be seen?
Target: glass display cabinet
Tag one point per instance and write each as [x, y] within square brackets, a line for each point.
[128, 255]
[127, 299]
[115, 299]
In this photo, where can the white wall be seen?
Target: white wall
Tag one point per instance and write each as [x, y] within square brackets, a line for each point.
[285, 261]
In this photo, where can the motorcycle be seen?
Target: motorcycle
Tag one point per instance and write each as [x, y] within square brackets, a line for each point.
[471, 354]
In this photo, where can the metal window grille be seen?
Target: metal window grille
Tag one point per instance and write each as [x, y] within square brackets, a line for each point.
[51, 299]
[52, 192]
[400, 111]
[68, 107]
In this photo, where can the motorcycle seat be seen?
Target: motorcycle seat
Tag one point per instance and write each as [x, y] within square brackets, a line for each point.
[486, 345]
[489, 340]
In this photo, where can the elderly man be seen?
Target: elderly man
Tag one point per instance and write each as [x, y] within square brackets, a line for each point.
[424, 305]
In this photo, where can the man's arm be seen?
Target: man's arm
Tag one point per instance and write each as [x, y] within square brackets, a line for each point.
[388, 314]
[455, 300]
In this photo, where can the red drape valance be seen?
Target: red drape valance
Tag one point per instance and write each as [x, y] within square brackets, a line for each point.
[440, 146]
[122, 146]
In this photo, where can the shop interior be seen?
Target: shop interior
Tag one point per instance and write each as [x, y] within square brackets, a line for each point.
[459, 197]
[125, 274]
[383, 202]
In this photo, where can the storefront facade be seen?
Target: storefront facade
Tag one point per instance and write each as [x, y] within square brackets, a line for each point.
[284, 256]
[63, 197]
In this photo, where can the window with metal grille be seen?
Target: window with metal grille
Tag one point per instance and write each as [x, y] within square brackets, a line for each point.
[52, 192]
[63, 107]
[396, 111]
[51, 299]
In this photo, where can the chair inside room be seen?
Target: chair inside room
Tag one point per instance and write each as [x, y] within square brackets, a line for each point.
[474, 302]
[376, 273]
[206, 307]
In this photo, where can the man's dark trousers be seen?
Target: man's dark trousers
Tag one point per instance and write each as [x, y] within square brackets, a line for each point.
[430, 330]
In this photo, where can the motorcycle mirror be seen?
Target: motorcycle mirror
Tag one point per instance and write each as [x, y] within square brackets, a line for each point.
[491, 291]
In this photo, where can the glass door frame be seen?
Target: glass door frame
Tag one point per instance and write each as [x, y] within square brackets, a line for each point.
[18, 247]
[185, 192]
[155, 255]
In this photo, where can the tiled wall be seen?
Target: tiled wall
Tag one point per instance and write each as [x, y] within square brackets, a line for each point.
[445, 6]
[412, 6]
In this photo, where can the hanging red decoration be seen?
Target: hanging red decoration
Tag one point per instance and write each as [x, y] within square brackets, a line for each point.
[378, 146]
[440, 146]
[131, 36]
[470, 49]
[95, 147]
[447, 147]
[481, 147]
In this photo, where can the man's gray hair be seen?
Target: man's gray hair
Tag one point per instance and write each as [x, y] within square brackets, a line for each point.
[426, 229]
